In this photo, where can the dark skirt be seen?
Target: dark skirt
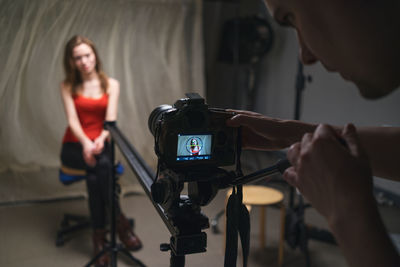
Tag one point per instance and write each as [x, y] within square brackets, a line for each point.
[72, 161]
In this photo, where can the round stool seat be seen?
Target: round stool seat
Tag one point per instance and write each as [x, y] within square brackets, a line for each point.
[260, 195]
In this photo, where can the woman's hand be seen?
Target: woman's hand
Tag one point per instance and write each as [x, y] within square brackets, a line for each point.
[98, 145]
[88, 153]
[335, 178]
[264, 133]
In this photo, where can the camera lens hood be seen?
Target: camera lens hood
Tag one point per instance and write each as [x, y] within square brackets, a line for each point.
[155, 116]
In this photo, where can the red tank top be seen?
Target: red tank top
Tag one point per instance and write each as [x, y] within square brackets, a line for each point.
[91, 113]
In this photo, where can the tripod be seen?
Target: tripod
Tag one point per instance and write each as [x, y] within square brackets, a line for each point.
[113, 247]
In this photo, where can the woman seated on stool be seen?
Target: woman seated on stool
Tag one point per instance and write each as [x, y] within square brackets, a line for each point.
[90, 98]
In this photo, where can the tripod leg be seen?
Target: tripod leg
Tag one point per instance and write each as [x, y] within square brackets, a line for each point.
[307, 255]
[304, 243]
[214, 222]
[131, 257]
[92, 261]
[177, 261]
[113, 258]
[304, 236]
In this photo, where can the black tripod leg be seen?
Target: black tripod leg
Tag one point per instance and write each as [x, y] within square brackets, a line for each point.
[304, 236]
[177, 261]
[101, 253]
[132, 258]
[214, 222]
[307, 256]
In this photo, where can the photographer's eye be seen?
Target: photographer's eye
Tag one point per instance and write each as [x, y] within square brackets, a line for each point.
[288, 20]
[285, 19]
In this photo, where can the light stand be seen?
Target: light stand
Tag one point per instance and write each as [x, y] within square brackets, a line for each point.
[297, 232]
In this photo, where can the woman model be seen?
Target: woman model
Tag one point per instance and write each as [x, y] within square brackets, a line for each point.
[194, 147]
[90, 98]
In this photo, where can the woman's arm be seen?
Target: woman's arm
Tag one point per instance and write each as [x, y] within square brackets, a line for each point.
[75, 125]
[111, 113]
[113, 96]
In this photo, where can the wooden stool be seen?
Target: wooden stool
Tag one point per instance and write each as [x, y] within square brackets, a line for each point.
[261, 196]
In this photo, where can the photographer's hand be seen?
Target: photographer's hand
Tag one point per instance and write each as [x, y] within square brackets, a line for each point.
[337, 180]
[329, 174]
[264, 133]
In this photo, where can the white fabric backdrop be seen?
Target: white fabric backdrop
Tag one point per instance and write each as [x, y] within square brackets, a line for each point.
[153, 47]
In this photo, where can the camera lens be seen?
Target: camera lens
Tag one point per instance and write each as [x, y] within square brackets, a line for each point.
[155, 116]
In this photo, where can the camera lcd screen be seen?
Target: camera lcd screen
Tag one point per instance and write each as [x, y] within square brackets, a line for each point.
[193, 147]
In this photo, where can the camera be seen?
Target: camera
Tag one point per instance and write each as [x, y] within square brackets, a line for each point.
[192, 142]
[191, 136]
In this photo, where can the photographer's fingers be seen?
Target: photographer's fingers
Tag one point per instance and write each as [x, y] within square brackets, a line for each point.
[324, 131]
[290, 176]
[294, 153]
[306, 141]
[349, 134]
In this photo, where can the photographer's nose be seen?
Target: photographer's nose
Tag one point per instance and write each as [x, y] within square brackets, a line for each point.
[306, 56]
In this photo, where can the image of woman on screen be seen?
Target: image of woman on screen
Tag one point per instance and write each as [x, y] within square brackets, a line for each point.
[194, 147]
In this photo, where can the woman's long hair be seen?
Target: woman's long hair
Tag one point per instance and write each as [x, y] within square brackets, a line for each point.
[73, 77]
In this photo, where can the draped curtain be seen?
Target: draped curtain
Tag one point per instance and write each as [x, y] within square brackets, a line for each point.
[153, 47]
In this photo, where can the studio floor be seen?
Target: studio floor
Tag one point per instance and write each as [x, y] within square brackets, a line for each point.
[28, 234]
[28, 229]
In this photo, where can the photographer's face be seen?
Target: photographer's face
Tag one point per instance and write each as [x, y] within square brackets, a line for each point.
[352, 37]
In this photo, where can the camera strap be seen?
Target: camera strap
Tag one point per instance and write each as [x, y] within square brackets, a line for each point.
[237, 220]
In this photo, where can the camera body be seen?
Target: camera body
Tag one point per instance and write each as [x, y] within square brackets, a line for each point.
[190, 136]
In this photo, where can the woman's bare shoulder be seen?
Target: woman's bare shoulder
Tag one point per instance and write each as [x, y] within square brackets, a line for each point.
[113, 85]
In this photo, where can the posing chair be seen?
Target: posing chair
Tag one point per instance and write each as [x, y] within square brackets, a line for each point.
[72, 223]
